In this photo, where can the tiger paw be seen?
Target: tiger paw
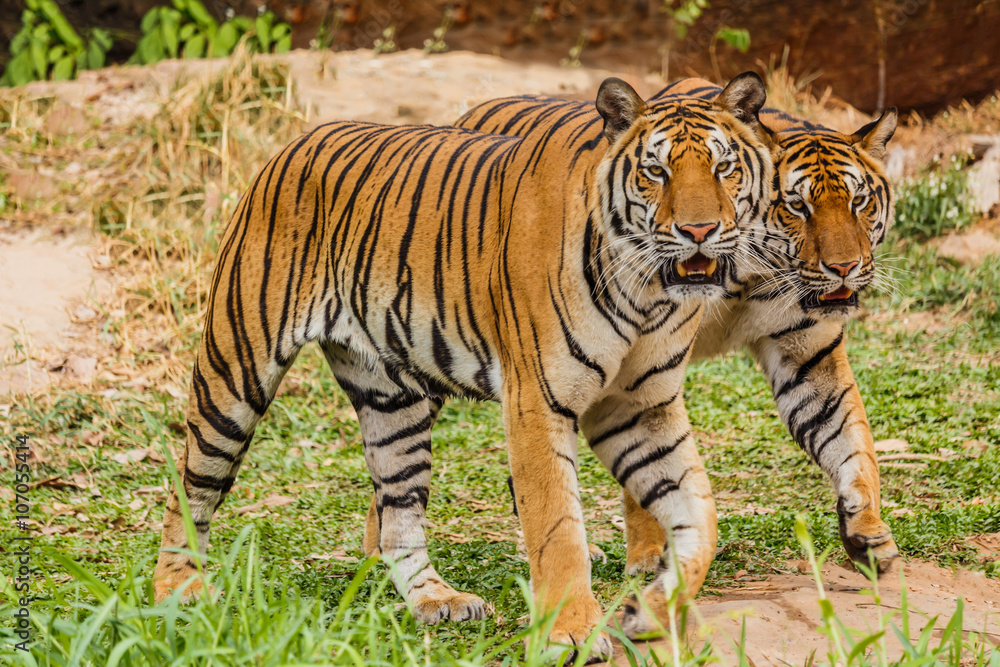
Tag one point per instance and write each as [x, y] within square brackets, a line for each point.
[575, 638]
[864, 532]
[451, 605]
[164, 588]
[637, 621]
[645, 558]
[596, 553]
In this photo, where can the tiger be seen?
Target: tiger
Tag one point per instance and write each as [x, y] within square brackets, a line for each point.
[812, 254]
[429, 262]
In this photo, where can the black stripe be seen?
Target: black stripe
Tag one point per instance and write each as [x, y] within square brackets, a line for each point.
[801, 325]
[409, 431]
[807, 367]
[670, 364]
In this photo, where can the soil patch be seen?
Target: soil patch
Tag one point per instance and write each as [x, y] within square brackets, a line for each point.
[782, 613]
[49, 289]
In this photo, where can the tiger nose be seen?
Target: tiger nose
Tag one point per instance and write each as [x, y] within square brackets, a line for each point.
[698, 233]
[843, 268]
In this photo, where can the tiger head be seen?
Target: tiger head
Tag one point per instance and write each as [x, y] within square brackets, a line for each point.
[680, 179]
[832, 208]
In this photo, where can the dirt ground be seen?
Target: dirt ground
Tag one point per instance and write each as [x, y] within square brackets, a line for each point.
[782, 614]
[55, 281]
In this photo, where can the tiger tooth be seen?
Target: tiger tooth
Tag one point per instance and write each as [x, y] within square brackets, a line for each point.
[711, 267]
[681, 271]
[822, 297]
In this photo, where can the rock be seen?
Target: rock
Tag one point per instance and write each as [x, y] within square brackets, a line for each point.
[895, 162]
[984, 179]
[131, 456]
[66, 120]
[969, 248]
[892, 445]
[80, 368]
[31, 185]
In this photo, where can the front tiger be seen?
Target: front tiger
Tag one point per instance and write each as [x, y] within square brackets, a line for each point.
[808, 258]
[435, 261]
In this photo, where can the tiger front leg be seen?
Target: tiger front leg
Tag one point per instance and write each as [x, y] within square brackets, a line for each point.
[650, 450]
[820, 404]
[542, 448]
[645, 538]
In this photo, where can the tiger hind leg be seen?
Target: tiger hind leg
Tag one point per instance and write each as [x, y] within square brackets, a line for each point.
[396, 430]
[222, 413]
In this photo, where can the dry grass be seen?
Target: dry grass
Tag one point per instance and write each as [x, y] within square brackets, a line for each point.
[158, 191]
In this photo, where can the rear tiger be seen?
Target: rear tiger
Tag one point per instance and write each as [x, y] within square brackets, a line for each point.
[430, 262]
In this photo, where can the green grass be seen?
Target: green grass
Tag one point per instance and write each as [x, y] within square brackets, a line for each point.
[936, 202]
[293, 593]
[933, 390]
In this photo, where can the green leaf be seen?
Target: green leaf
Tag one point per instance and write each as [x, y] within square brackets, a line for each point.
[95, 55]
[21, 42]
[150, 20]
[63, 70]
[738, 38]
[20, 70]
[39, 56]
[861, 646]
[56, 52]
[151, 48]
[187, 31]
[31, 4]
[198, 12]
[283, 45]
[280, 30]
[225, 39]
[195, 47]
[168, 30]
[264, 33]
[61, 25]
[102, 37]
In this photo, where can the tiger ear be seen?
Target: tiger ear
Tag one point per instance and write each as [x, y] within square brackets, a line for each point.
[744, 97]
[619, 106]
[873, 137]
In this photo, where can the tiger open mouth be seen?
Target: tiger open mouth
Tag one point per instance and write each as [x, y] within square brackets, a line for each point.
[695, 270]
[844, 296]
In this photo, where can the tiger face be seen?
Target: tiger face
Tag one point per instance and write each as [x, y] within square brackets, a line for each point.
[832, 208]
[681, 179]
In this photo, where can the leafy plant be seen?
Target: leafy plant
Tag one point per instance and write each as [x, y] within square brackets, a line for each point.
[574, 53]
[47, 47]
[387, 42]
[935, 203]
[188, 30]
[683, 15]
[436, 44]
